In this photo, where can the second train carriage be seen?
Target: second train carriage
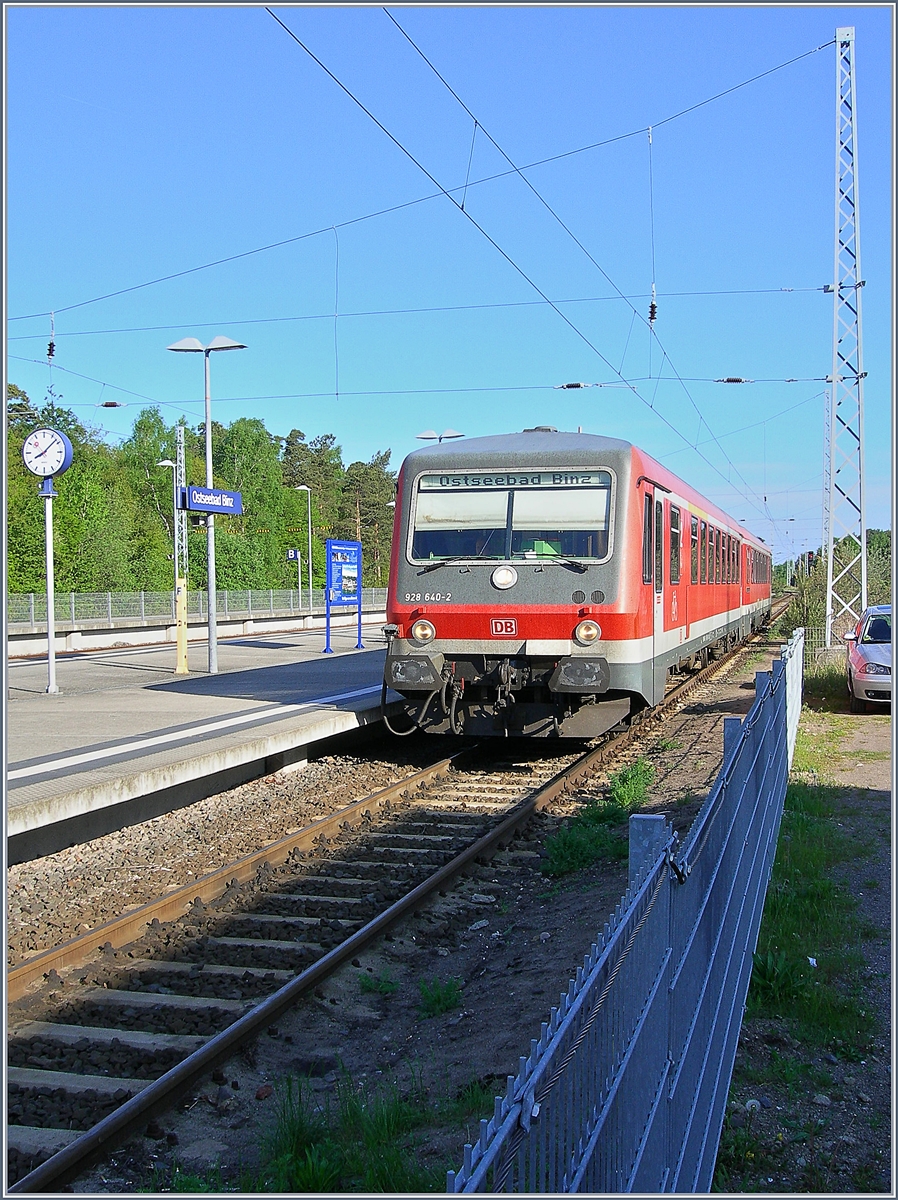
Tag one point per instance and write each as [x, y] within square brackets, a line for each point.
[546, 584]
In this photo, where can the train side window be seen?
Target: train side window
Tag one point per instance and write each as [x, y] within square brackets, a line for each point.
[648, 554]
[659, 546]
[728, 558]
[717, 556]
[674, 544]
[703, 552]
[694, 548]
[738, 561]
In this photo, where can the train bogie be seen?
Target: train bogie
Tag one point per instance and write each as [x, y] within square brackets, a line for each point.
[546, 584]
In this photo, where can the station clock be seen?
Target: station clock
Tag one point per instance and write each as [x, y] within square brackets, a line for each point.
[47, 452]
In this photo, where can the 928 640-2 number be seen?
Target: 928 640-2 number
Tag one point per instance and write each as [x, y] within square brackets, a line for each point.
[434, 597]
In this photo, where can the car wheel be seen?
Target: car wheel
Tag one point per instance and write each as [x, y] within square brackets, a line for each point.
[854, 704]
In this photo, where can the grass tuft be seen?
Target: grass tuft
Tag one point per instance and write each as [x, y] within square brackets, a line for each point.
[383, 984]
[598, 830]
[438, 998]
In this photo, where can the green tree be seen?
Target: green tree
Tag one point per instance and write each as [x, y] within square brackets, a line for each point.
[21, 415]
[319, 465]
[366, 514]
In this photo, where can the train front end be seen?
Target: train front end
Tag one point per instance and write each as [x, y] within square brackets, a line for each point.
[506, 583]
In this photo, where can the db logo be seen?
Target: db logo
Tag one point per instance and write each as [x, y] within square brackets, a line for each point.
[503, 627]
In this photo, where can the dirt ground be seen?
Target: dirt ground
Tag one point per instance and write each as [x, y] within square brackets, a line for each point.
[828, 1128]
[512, 940]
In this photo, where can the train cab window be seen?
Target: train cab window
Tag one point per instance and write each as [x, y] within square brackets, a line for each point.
[703, 552]
[567, 521]
[674, 544]
[694, 548]
[659, 546]
[463, 524]
[648, 554]
[505, 515]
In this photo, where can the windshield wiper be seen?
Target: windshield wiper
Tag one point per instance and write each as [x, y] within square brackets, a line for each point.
[435, 566]
[571, 563]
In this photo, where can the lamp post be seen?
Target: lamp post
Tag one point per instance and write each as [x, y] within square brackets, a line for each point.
[304, 487]
[180, 592]
[195, 346]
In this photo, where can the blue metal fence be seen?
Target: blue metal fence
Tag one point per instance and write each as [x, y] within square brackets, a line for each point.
[626, 1087]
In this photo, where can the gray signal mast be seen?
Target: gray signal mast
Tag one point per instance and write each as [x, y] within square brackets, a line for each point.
[846, 550]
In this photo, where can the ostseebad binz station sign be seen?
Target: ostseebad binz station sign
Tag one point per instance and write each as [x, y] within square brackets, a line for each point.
[196, 498]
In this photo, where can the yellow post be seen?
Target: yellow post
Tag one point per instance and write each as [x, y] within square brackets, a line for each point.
[181, 619]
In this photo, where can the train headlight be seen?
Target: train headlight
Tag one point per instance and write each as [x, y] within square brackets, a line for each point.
[504, 577]
[587, 632]
[423, 632]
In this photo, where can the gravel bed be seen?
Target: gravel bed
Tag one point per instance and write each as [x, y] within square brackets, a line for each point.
[56, 898]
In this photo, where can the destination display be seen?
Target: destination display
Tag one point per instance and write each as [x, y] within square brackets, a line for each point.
[517, 479]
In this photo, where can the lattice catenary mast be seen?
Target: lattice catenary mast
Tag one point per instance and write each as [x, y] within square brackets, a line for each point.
[846, 551]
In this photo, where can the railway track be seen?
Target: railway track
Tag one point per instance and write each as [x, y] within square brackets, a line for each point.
[109, 1040]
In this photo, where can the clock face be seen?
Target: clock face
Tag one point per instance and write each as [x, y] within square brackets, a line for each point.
[47, 452]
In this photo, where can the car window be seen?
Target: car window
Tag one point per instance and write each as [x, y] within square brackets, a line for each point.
[878, 629]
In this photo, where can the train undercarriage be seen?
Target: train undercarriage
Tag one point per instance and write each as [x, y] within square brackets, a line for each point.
[494, 696]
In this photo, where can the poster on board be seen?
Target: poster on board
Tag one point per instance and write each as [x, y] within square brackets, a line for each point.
[343, 584]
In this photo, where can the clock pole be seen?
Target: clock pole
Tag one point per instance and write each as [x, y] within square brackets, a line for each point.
[48, 452]
[46, 490]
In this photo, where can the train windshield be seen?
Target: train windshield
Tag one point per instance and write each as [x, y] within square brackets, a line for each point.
[475, 516]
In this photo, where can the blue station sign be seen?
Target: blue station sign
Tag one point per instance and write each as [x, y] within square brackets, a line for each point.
[196, 498]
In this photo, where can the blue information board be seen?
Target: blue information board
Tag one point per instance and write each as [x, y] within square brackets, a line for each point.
[343, 584]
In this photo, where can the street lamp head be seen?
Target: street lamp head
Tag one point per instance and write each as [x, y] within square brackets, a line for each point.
[195, 346]
[165, 462]
[302, 487]
[429, 435]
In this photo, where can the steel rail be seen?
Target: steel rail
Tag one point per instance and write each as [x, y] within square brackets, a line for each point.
[122, 930]
[157, 1096]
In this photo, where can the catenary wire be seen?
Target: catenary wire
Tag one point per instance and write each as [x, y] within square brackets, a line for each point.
[570, 233]
[506, 256]
[398, 312]
[418, 200]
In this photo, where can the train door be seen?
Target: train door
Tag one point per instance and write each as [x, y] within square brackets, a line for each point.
[658, 621]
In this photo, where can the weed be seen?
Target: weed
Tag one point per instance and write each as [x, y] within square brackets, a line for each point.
[580, 844]
[669, 744]
[595, 832]
[826, 681]
[776, 979]
[474, 1098]
[176, 1179]
[437, 998]
[383, 984]
[740, 1157]
[359, 1141]
[629, 787]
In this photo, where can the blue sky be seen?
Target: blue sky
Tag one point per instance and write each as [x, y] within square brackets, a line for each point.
[145, 141]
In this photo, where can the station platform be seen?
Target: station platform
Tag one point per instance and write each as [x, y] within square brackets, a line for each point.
[125, 733]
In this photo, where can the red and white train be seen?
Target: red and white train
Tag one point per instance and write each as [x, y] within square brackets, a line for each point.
[547, 584]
